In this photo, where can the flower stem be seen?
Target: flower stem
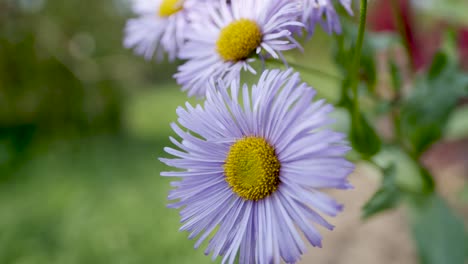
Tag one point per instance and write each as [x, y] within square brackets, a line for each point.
[357, 58]
[315, 71]
[311, 70]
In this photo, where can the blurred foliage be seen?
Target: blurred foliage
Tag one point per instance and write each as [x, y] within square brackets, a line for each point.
[62, 65]
[64, 72]
[47, 77]
[363, 136]
[449, 10]
[440, 235]
[387, 197]
[409, 178]
[149, 114]
[425, 113]
[457, 126]
[419, 118]
[94, 200]
[464, 196]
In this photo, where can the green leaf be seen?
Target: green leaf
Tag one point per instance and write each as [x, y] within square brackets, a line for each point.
[388, 196]
[424, 114]
[457, 126]
[410, 177]
[439, 234]
[439, 63]
[396, 78]
[428, 184]
[450, 45]
[363, 137]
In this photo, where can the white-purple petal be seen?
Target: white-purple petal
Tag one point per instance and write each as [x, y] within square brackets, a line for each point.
[280, 109]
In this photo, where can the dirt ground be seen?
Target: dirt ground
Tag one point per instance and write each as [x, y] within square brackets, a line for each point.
[385, 238]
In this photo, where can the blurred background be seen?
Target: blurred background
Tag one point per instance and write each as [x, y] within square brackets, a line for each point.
[83, 121]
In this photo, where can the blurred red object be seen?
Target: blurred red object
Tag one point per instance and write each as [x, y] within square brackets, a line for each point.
[463, 46]
[422, 45]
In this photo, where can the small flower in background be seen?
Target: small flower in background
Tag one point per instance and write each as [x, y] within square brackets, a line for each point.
[223, 44]
[254, 163]
[159, 28]
[323, 13]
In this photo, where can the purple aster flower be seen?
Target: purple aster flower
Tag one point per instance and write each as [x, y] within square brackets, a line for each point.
[226, 42]
[322, 12]
[253, 163]
[160, 27]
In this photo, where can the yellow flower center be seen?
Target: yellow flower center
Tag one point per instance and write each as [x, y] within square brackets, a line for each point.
[239, 39]
[252, 168]
[170, 7]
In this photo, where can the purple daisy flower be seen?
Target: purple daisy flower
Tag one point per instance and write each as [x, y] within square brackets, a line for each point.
[322, 12]
[227, 39]
[160, 27]
[252, 163]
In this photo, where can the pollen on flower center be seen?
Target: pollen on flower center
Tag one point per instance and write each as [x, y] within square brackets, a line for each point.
[239, 39]
[170, 7]
[252, 168]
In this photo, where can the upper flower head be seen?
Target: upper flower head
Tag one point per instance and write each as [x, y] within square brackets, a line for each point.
[228, 37]
[322, 12]
[253, 162]
[160, 26]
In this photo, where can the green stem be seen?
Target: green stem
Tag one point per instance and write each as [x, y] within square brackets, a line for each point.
[315, 71]
[357, 57]
[310, 70]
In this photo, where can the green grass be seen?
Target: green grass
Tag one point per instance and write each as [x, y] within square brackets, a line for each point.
[148, 114]
[98, 200]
